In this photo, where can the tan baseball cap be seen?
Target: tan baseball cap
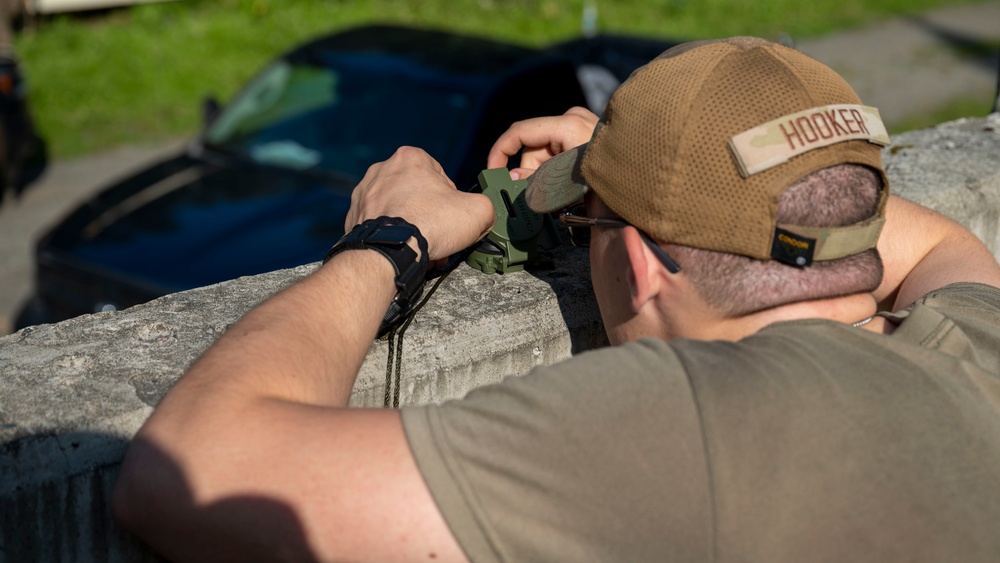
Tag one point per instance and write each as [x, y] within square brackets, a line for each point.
[697, 145]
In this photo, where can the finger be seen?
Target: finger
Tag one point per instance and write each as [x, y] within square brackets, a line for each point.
[584, 114]
[533, 158]
[454, 221]
[521, 173]
[355, 213]
[481, 215]
[543, 137]
[530, 133]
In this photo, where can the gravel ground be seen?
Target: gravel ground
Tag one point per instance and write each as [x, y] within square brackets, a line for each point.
[902, 66]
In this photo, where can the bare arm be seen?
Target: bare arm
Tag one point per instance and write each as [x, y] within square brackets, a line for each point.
[923, 250]
[252, 455]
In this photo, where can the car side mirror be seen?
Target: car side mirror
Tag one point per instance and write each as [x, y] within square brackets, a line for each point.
[210, 108]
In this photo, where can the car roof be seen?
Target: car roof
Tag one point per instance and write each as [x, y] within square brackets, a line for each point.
[444, 51]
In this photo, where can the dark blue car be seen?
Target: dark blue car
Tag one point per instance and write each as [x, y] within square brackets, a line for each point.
[267, 183]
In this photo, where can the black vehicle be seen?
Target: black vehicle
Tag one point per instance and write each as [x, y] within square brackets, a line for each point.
[266, 185]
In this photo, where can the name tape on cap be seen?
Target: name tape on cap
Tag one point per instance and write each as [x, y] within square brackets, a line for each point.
[779, 140]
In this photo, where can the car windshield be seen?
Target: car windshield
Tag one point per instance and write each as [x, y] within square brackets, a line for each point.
[343, 114]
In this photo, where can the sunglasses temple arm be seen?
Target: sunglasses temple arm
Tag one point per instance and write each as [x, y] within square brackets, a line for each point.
[668, 262]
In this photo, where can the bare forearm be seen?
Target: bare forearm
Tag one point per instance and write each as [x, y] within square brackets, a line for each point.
[922, 250]
[251, 454]
[261, 381]
[305, 344]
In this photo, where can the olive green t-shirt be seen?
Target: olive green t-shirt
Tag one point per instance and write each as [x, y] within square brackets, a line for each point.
[807, 441]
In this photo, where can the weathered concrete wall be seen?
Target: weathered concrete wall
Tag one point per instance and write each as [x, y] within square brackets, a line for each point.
[953, 168]
[72, 394]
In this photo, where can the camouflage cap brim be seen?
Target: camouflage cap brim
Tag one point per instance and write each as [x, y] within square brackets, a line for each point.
[557, 183]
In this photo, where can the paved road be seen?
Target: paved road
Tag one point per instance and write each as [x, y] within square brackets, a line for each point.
[902, 66]
[912, 65]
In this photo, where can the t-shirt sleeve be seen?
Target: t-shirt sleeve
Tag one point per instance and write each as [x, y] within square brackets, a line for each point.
[598, 458]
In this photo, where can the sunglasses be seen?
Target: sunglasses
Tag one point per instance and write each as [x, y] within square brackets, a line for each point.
[579, 225]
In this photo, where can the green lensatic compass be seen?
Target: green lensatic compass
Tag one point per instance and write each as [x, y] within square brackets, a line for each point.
[519, 235]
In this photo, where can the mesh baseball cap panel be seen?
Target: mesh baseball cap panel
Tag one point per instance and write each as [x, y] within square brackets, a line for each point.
[633, 162]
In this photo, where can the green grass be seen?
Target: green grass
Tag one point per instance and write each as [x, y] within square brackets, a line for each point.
[138, 75]
[963, 107]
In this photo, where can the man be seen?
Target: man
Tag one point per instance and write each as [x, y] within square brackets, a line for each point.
[757, 407]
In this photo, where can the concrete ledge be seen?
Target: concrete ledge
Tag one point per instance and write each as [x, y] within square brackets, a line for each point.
[953, 168]
[72, 394]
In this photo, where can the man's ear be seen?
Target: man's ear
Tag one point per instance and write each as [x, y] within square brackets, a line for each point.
[644, 279]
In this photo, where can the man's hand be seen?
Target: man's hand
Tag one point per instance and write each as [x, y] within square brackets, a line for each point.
[412, 185]
[542, 138]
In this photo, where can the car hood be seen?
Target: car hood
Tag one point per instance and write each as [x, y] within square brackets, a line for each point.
[190, 222]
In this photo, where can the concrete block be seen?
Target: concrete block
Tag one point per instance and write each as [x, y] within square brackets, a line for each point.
[953, 168]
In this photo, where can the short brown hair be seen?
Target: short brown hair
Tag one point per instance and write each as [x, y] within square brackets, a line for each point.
[737, 285]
